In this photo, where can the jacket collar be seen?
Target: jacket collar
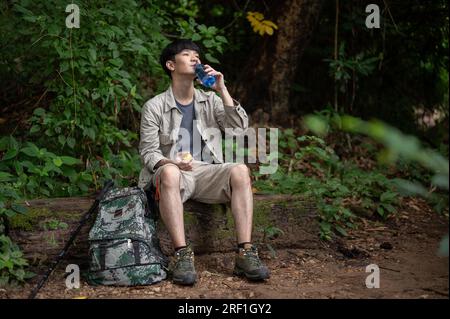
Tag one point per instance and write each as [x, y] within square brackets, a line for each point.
[199, 96]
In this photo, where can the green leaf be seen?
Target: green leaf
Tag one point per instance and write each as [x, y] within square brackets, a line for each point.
[62, 140]
[67, 160]
[117, 30]
[31, 150]
[95, 95]
[212, 30]
[28, 165]
[208, 43]
[117, 62]
[408, 188]
[440, 180]
[388, 196]
[58, 161]
[316, 125]
[4, 143]
[10, 213]
[92, 54]
[202, 28]
[23, 10]
[127, 83]
[89, 131]
[120, 92]
[221, 39]
[389, 208]
[211, 59]
[6, 177]
[341, 230]
[71, 142]
[380, 210]
[106, 11]
[35, 128]
[39, 111]
[47, 154]
[11, 153]
[83, 187]
[19, 208]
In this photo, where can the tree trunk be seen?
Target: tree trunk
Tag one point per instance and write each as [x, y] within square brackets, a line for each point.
[210, 228]
[268, 80]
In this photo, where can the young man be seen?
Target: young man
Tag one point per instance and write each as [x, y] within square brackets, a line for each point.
[177, 152]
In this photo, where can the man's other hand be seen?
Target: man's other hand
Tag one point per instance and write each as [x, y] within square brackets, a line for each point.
[184, 161]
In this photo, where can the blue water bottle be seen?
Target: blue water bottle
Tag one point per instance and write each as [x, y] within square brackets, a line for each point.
[207, 80]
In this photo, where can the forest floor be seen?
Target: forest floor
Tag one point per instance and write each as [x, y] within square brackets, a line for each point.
[405, 248]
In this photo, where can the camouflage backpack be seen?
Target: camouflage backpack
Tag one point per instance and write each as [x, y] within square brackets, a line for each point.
[124, 249]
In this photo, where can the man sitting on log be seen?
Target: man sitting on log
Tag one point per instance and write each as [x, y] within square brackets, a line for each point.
[183, 161]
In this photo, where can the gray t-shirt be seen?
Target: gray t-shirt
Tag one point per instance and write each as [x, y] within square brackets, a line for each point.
[187, 122]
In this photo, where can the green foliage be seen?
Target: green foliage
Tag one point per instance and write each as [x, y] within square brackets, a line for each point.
[340, 190]
[270, 232]
[209, 37]
[93, 76]
[30, 220]
[31, 170]
[398, 146]
[12, 263]
[411, 71]
[346, 68]
[189, 8]
[407, 148]
[54, 224]
[91, 83]
[86, 87]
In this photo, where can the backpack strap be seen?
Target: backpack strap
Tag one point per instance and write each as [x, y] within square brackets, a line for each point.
[137, 253]
[102, 256]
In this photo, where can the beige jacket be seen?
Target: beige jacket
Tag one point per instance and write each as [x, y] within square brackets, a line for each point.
[161, 119]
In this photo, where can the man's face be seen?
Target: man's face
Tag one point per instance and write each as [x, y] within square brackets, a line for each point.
[185, 62]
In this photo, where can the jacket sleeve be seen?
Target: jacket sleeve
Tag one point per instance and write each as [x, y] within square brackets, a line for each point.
[233, 116]
[149, 149]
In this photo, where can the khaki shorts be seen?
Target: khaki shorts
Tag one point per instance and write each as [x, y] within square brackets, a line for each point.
[206, 183]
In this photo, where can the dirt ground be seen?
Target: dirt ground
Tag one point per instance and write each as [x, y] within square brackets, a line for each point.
[405, 248]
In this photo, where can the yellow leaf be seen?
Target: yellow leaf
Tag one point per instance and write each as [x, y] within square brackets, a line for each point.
[80, 297]
[252, 20]
[270, 24]
[259, 25]
[258, 15]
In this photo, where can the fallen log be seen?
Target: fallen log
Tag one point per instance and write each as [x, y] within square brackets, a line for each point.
[279, 221]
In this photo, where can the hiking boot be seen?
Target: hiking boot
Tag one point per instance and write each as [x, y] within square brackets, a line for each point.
[248, 264]
[184, 270]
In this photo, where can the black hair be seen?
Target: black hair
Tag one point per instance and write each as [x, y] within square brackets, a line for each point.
[173, 48]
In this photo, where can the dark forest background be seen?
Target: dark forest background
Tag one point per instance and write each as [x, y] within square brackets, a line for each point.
[357, 108]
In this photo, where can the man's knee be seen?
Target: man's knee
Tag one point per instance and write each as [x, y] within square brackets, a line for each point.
[240, 174]
[170, 176]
